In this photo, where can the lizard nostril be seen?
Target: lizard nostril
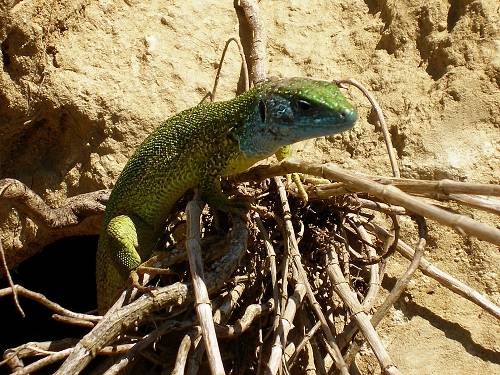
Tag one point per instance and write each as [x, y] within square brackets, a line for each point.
[349, 115]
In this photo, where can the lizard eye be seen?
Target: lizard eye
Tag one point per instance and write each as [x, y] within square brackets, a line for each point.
[303, 105]
[262, 110]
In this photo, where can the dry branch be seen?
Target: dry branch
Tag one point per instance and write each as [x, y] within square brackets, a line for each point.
[381, 119]
[271, 254]
[397, 290]
[6, 272]
[243, 64]
[294, 252]
[78, 215]
[390, 194]
[72, 213]
[252, 312]
[438, 189]
[258, 55]
[167, 326]
[303, 343]
[40, 298]
[203, 306]
[284, 328]
[440, 276]
[182, 355]
[342, 288]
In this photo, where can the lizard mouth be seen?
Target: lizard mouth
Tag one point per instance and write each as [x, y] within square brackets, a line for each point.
[321, 127]
[344, 118]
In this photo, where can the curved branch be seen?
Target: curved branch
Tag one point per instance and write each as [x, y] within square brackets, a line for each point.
[75, 210]
[258, 54]
[78, 216]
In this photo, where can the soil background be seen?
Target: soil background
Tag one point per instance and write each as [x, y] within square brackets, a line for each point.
[83, 82]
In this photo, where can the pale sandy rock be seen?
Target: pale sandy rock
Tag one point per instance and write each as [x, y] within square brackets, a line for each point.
[82, 83]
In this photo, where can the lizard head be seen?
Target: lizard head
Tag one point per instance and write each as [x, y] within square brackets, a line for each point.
[286, 111]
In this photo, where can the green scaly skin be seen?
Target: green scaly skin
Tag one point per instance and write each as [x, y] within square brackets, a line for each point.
[195, 148]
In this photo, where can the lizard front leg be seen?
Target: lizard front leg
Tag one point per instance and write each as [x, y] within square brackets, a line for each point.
[283, 153]
[121, 244]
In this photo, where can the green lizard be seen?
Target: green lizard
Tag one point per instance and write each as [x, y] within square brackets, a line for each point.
[195, 148]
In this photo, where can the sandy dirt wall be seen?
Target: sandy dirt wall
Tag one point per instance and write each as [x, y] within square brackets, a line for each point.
[83, 82]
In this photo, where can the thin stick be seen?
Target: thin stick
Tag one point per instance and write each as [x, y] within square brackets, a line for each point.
[489, 205]
[193, 365]
[374, 283]
[285, 326]
[40, 298]
[258, 54]
[398, 289]
[473, 201]
[294, 250]
[251, 313]
[73, 321]
[382, 207]
[229, 303]
[381, 119]
[271, 255]
[55, 356]
[182, 354]
[311, 366]
[390, 194]
[203, 306]
[444, 186]
[130, 354]
[342, 288]
[442, 277]
[9, 280]
[12, 357]
[243, 65]
[221, 315]
[285, 267]
[323, 191]
[318, 357]
[305, 339]
[37, 365]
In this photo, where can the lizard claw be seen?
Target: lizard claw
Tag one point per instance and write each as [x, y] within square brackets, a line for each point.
[296, 177]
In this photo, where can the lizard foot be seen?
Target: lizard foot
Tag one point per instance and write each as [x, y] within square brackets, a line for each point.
[299, 179]
[134, 277]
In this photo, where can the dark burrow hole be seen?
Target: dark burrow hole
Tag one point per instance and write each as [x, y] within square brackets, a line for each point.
[65, 273]
[454, 14]
[5, 54]
[373, 6]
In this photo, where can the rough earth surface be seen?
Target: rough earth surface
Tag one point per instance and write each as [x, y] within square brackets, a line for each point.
[83, 82]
